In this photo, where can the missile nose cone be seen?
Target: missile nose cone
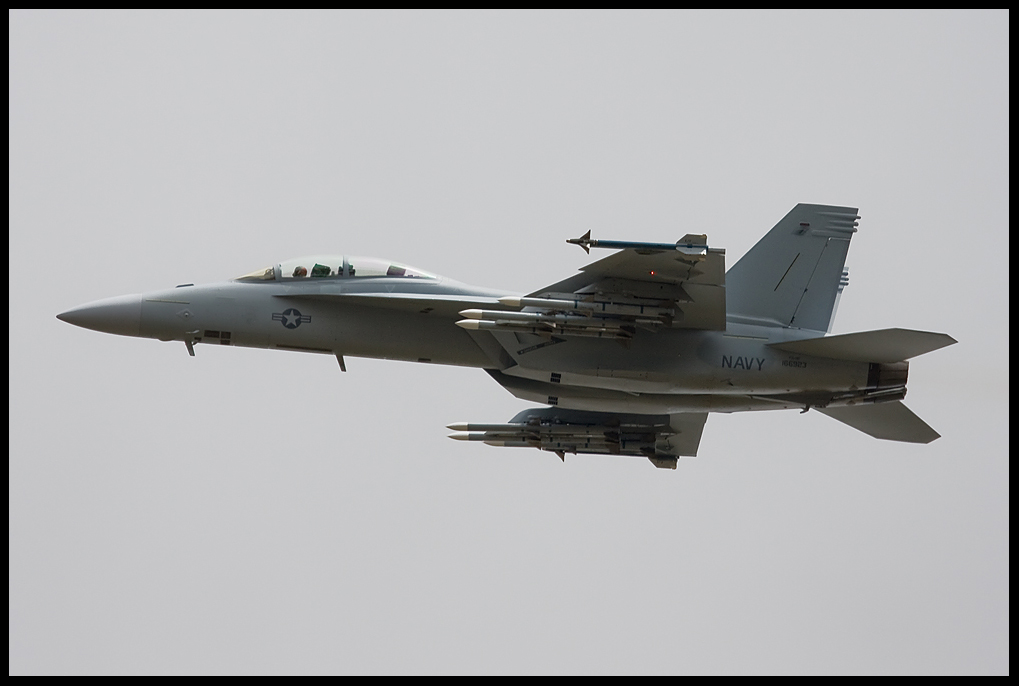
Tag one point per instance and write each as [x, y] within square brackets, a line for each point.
[469, 324]
[121, 315]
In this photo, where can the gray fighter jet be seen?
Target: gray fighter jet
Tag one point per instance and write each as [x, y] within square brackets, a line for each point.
[628, 356]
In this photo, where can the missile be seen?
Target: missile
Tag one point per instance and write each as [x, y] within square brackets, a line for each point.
[544, 324]
[497, 315]
[584, 306]
[484, 325]
[560, 431]
[585, 321]
[464, 426]
[690, 244]
[468, 436]
[511, 444]
[557, 444]
[523, 437]
[547, 328]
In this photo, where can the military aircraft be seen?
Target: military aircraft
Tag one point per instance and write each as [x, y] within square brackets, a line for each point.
[627, 357]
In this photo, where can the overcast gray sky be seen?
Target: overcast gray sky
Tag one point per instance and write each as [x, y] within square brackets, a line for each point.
[257, 511]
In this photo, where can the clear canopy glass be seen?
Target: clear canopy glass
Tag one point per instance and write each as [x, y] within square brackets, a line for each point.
[333, 267]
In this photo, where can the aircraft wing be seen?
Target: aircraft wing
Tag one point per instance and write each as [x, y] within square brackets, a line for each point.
[660, 438]
[647, 285]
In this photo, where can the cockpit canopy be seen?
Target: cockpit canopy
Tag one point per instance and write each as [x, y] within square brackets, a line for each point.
[334, 267]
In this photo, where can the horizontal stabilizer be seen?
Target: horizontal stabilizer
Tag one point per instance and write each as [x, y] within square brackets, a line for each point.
[888, 421]
[885, 345]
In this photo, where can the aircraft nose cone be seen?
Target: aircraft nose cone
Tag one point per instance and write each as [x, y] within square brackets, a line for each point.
[121, 315]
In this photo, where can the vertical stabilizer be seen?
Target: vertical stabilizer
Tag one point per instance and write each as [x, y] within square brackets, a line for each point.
[792, 276]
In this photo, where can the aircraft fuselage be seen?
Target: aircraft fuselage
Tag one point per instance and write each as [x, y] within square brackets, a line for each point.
[669, 370]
